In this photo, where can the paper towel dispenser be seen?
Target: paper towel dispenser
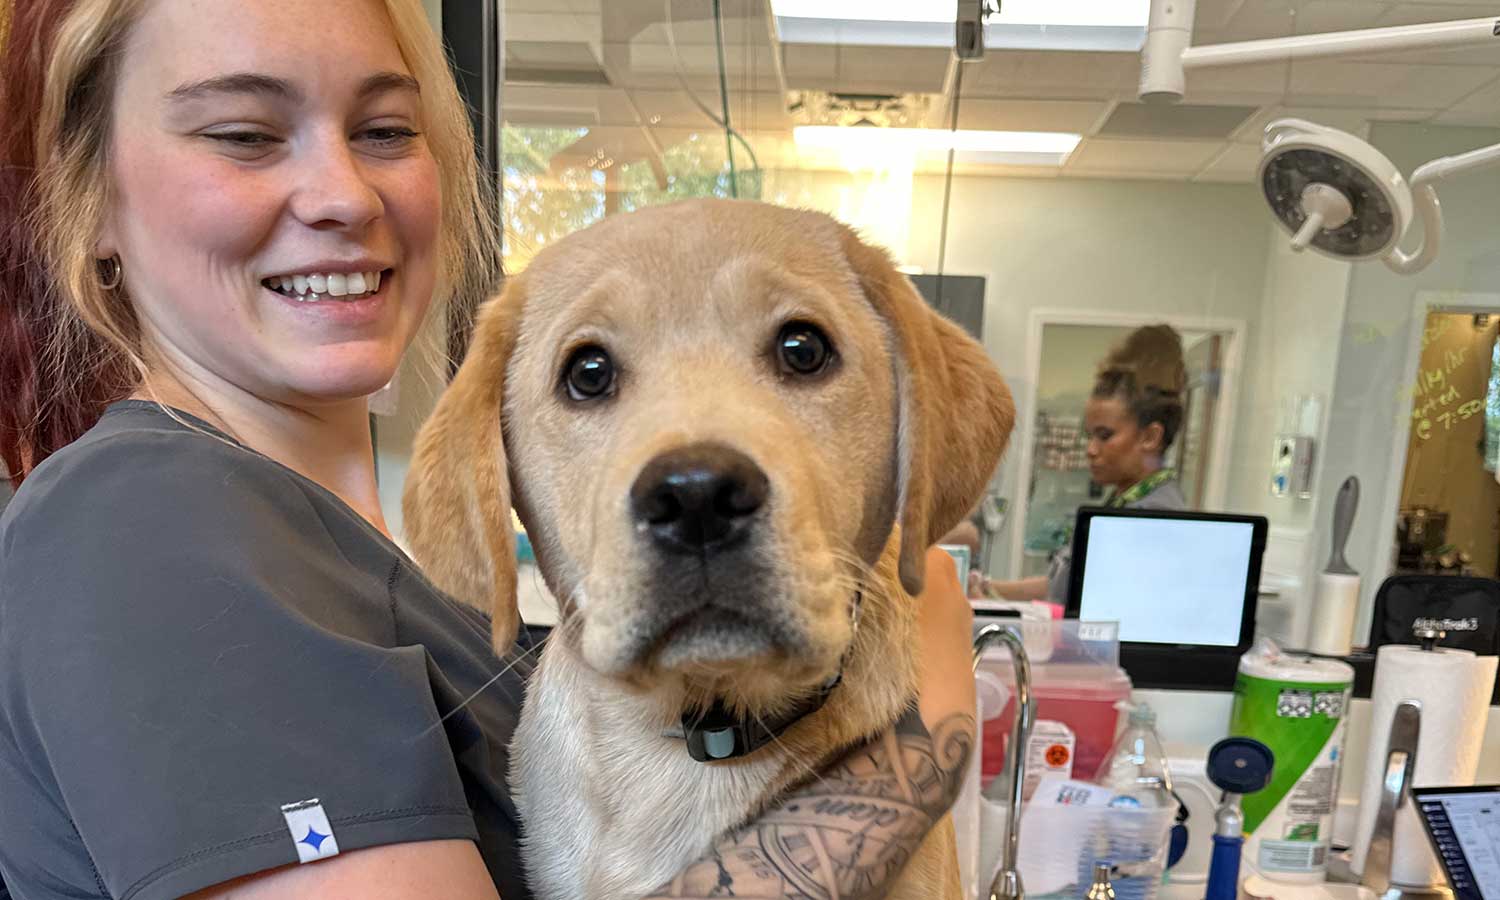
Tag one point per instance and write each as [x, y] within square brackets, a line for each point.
[1466, 609]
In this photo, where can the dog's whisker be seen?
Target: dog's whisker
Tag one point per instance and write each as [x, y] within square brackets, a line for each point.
[515, 660]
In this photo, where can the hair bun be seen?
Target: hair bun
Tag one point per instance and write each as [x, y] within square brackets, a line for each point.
[1152, 355]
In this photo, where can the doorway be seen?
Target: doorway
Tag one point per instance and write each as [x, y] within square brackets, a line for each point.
[1064, 349]
[1448, 519]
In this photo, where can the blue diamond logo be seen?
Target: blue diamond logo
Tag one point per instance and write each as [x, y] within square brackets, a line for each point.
[314, 839]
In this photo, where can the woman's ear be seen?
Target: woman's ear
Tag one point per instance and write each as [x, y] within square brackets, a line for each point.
[107, 243]
[1152, 438]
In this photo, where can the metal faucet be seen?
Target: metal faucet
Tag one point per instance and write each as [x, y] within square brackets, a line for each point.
[1007, 883]
[1395, 791]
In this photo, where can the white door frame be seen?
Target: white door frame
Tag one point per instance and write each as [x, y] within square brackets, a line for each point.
[1215, 484]
[1425, 303]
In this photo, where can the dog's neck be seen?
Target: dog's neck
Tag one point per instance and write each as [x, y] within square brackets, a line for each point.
[718, 733]
[876, 681]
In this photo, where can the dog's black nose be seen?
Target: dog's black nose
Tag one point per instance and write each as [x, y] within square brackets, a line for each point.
[699, 498]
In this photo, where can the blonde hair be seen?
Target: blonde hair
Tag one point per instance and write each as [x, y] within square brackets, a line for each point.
[72, 152]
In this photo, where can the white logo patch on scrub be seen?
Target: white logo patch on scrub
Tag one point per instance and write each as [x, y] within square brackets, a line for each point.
[311, 833]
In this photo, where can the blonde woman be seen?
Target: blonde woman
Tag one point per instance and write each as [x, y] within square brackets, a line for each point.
[221, 224]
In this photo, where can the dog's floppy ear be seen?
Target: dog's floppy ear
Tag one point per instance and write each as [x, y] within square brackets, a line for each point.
[955, 412]
[456, 503]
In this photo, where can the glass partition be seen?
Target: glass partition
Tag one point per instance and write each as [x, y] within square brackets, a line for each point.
[1072, 214]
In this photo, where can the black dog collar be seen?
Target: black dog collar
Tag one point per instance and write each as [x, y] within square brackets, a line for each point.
[717, 735]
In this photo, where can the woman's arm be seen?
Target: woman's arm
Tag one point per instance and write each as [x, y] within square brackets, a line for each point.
[1033, 588]
[845, 835]
[849, 833]
[452, 870]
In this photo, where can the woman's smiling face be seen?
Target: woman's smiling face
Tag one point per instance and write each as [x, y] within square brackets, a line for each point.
[274, 203]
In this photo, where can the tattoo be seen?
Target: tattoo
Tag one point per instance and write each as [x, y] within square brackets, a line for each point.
[847, 835]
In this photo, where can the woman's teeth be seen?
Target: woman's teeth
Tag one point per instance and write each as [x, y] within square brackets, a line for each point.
[317, 286]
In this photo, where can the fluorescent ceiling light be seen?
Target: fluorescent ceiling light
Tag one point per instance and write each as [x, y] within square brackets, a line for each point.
[1044, 148]
[1118, 25]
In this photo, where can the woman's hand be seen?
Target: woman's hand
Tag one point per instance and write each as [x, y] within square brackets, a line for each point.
[851, 832]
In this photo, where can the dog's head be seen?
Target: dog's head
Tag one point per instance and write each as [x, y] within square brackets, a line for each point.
[713, 414]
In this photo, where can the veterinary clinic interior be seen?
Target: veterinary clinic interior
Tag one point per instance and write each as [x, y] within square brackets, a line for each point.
[1236, 577]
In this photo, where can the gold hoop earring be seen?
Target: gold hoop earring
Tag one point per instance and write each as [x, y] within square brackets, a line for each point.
[111, 273]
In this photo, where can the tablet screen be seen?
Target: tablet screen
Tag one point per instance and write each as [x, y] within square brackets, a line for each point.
[1167, 580]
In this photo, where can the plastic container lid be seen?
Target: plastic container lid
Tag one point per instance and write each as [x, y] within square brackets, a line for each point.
[1267, 660]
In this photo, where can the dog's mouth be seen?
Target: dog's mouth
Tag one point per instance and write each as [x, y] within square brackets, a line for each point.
[711, 638]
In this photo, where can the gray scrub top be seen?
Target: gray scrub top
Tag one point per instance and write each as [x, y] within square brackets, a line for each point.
[1168, 495]
[193, 637]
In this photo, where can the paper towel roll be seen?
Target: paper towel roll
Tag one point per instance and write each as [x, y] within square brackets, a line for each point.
[1332, 627]
[1454, 688]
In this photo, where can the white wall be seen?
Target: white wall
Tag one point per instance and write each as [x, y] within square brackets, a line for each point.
[1296, 352]
[1070, 354]
[1372, 392]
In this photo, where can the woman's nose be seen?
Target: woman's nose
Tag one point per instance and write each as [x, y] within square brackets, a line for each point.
[334, 190]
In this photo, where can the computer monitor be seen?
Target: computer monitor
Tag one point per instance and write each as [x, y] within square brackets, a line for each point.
[1182, 585]
[1463, 824]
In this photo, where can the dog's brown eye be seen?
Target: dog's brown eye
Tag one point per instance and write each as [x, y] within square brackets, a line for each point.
[803, 349]
[590, 373]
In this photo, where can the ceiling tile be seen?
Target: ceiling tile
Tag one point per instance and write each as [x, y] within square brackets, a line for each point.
[893, 70]
[1382, 84]
[1127, 174]
[1234, 162]
[550, 26]
[1077, 116]
[1259, 19]
[1482, 107]
[1252, 84]
[1181, 157]
[1350, 120]
[644, 66]
[810, 65]
[1038, 74]
[1180, 121]
[701, 31]
[1216, 14]
[1321, 16]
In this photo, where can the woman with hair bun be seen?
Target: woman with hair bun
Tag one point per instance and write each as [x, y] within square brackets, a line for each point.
[1134, 414]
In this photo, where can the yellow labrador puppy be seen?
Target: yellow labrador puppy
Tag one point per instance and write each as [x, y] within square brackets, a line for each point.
[731, 431]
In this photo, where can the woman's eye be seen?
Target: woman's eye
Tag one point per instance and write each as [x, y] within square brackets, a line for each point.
[589, 374]
[390, 136]
[803, 349]
[250, 139]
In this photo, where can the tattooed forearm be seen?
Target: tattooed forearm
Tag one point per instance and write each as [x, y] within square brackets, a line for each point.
[848, 834]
